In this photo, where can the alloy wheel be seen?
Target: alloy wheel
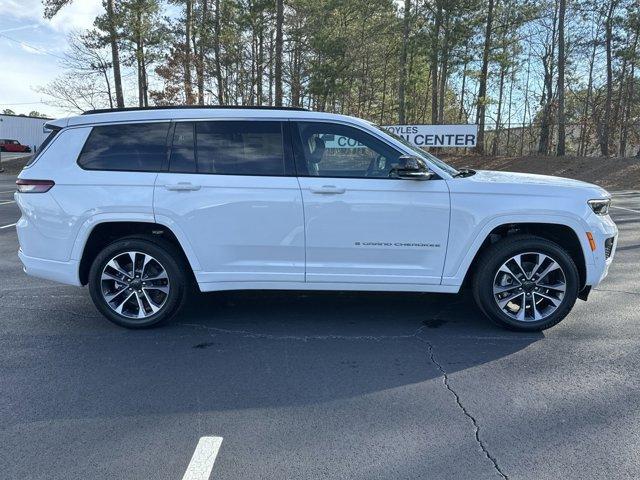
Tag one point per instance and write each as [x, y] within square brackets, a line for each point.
[529, 287]
[134, 285]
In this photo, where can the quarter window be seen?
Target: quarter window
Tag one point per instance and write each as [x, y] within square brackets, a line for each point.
[335, 150]
[128, 147]
[183, 155]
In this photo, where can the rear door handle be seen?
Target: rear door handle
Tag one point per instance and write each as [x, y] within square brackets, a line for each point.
[327, 190]
[182, 187]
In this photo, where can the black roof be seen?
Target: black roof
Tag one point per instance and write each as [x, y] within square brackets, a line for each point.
[181, 107]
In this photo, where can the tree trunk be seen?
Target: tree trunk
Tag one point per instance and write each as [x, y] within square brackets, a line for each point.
[403, 62]
[260, 64]
[582, 148]
[561, 147]
[605, 128]
[115, 54]
[444, 70]
[434, 62]
[525, 110]
[464, 80]
[482, 88]
[624, 124]
[201, 48]
[496, 133]
[546, 101]
[216, 51]
[188, 91]
[512, 81]
[279, 48]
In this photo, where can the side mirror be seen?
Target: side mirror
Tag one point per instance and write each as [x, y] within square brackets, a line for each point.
[412, 168]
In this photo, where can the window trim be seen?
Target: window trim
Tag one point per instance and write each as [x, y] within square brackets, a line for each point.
[287, 151]
[163, 163]
[299, 152]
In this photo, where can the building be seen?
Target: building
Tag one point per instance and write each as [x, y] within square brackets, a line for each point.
[27, 130]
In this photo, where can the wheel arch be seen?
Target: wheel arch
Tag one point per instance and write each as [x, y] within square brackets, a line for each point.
[103, 233]
[561, 234]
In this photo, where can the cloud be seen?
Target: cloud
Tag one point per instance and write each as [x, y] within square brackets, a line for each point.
[23, 27]
[79, 15]
[31, 50]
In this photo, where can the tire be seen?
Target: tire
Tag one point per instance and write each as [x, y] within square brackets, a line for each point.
[166, 282]
[543, 301]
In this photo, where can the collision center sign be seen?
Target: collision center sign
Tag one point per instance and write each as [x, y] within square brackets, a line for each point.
[437, 135]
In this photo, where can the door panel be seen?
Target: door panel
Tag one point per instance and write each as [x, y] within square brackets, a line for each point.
[389, 231]
[361, 225]
[244, 227]
[241, 228]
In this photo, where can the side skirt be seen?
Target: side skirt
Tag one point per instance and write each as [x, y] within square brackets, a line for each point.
[362, 287]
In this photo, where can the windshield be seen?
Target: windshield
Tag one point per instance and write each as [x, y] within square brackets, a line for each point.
[419, 152]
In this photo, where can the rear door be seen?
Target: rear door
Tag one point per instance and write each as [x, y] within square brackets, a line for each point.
[231, 193]
[362, 226]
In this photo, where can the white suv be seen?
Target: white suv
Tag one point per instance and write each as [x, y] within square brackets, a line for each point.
[141, 203]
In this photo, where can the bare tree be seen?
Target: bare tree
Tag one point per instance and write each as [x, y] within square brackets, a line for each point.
[561, 147]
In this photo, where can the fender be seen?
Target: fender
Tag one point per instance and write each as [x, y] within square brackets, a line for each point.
[89, 224]
[456, 268]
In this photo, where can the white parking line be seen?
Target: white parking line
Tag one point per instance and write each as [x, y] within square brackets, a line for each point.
[6, 203]
[8, 226]
[203, 458]
[625, 208]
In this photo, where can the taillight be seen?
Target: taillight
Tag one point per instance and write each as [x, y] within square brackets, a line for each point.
[34, 186]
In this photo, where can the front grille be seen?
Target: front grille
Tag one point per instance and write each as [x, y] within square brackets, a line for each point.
[608, 246]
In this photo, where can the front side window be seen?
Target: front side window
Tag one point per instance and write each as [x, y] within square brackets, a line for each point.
[127, 147]
[335, 150]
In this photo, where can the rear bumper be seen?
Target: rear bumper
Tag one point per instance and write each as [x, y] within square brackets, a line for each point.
[62, 272]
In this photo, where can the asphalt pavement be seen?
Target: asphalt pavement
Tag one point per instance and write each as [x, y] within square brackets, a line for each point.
[319, 385]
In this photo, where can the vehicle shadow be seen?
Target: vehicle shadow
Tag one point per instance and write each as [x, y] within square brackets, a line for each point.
[246, 350]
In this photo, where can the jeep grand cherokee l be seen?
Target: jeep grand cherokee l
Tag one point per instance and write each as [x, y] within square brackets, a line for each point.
[139, 203]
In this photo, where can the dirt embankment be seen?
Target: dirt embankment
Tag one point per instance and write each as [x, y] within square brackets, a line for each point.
[610, 173]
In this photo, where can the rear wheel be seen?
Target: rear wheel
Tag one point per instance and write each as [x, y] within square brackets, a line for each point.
[137, 282]
[526, 283]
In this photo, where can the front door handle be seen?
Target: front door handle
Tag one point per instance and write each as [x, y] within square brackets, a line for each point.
[182, 187]
[327, 189]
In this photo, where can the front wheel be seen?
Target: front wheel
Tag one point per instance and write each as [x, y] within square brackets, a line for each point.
[526, 283]
[138, 283]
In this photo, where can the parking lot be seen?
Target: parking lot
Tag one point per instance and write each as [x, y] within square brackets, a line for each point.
[319, 385]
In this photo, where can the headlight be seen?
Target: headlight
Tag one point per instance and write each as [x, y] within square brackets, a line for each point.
[600, 206]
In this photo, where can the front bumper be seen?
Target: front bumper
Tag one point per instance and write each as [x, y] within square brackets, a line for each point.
[603, 230]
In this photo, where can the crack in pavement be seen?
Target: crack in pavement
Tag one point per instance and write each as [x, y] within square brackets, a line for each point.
[302, 338]
[476, 426]
[615, 291]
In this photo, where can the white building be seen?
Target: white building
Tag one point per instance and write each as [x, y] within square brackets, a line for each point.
[27, 130]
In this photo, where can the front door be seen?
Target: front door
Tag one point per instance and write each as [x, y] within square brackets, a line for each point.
[231, 192]
[363, 226]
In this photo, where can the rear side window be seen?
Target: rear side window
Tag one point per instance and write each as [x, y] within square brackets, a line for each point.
[139, 147]
[229, 148]
[44, 145]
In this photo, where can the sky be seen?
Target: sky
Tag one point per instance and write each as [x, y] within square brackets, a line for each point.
[31, 47]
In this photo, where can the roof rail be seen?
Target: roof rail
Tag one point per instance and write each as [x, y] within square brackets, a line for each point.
[184, 107]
